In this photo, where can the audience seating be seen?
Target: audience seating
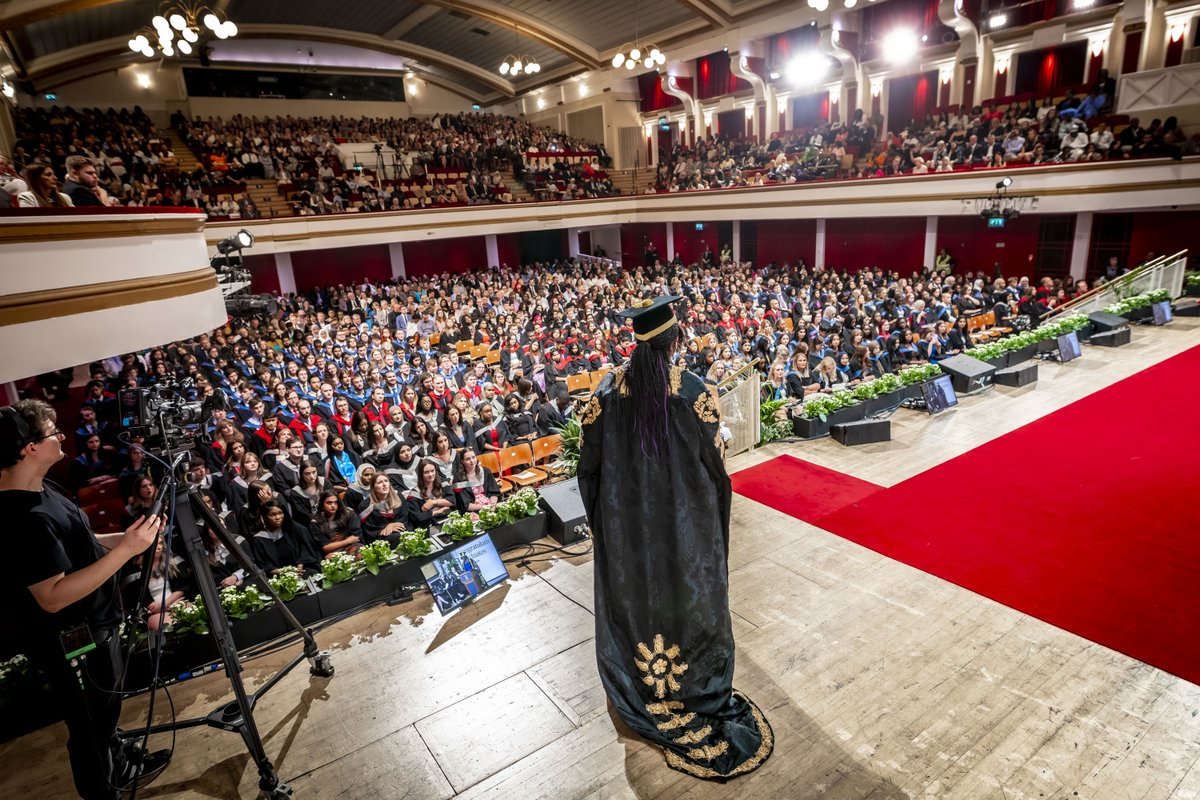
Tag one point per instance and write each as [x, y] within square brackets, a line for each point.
[520, 457]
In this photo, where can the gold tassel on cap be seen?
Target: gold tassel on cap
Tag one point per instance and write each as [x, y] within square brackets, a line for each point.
[642, 303]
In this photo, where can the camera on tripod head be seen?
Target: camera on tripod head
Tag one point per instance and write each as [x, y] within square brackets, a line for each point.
[166, 415]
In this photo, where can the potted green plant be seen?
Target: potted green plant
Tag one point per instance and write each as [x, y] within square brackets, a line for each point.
[516, 520]
[772, 421]
[567, 463]
[289, 584]
[912, 377]
[248, 621]
[885, 393]
[1191, 284]
[189, 642]
[812, 418]
[1021, 347]
[458, 526]
[339, 589]
[993, 353]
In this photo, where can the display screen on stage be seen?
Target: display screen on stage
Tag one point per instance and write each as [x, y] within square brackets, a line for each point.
[464, 573]
[939, 394]
[1162, 313]
[1068, 347]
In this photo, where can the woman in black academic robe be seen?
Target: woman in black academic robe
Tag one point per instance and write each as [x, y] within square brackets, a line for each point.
[282, 543]
[491, 435]
[335, 527]
[432, 500]
[357, 493]
[518, 421]
[385, 515]
[474, 485]
[664, 639]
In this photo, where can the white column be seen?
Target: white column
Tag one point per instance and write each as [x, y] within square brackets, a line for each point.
[1081, 245]
[283, 268]
[572, 241]
[737, 240]
[819, 259]
[492, 250]
[670, 241]
[930, 241]
[396, 256]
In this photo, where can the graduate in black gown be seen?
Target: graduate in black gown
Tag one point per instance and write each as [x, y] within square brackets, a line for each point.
[658, 498]
[281, 542]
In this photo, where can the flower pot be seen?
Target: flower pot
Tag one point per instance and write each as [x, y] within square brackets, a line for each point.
[523, 531]
[306, 608]
[1000, 362]
[1048, 345]
[810, 428]
[1192, 290]
[852, 413]
[912, 391]
[191, 651]
[1138, 314]
[1022, 354]
[1085, 332]
[261, 626]
[883, 402]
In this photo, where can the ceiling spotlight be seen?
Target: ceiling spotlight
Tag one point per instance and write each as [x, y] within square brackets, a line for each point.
[774, 76]
[997, 21]
[807, 68]
[1004, 183]
[900, 46]
[851, 3]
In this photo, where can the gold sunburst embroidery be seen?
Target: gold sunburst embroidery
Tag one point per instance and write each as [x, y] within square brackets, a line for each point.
[676, 377]
[706, 408]
[591, 412]
[659, 665]
[619, 380]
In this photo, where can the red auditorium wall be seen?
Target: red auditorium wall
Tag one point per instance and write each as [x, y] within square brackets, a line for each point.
[636, 235]
[508, 249]
[436, 256]
[852, 244]
[1164, 233]
[264, 277]
[976, 247]
[785, 240]
[690, 243]
[314, 268]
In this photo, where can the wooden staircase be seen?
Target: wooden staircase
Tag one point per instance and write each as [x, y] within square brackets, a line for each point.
[519, 192]
[185, 157]
[622, 180]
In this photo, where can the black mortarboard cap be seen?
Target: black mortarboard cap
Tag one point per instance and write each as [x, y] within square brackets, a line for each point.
[651, 317]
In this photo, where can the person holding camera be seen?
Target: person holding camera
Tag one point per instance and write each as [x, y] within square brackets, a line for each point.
[61, 594]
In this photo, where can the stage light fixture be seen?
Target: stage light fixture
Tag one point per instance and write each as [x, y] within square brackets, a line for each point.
[900, 46]
[807, 68]
[241, 240]
[1004, 183]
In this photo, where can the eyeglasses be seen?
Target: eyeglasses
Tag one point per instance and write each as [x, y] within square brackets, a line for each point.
[56, 432]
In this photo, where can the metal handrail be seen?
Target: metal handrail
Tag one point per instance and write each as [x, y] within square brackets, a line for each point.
[738, 376]
[1129, 277]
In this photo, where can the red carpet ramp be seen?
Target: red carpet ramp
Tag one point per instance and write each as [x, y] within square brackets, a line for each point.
[1086, 519]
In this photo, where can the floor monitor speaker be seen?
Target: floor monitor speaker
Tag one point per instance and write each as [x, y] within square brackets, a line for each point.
[1103, 321]
[968, 374]
[564, 511]
[1189, 307]
[1117, 338]
[867, 431]
[1020, 375]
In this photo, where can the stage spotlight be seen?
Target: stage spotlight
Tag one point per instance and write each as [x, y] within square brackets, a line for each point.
[807, 68]
[900, 46]
[239, 241]
[1004, 183]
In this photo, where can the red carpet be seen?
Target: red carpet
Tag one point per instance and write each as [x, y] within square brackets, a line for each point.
[1086, 518]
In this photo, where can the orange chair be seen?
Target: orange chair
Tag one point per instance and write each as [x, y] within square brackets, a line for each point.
[463, 347]
[598, 376]
[435, 339]
[479, 351]
[520, 457]
[493, 356]
[579, 385]
[492, 462]
[546, 448]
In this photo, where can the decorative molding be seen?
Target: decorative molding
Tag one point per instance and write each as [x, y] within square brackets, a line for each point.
[26, 307]
[1157, 89]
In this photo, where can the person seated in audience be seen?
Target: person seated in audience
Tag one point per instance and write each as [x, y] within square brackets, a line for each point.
[518, 422]
[304, 496]
[43, 191]
[428, 504]
[385, 512]
[335, 527]
[343, 463]
[442, 454]
[357, 492]
[280, 542]
[474, 485]
[92, 465]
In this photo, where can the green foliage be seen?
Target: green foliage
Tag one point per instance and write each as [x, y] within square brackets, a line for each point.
[376, 555]
[14, 669]
[338, 568]
[1191, 278]
[190, 617]
[818, 406]
[1139, 301]
[886, 384]
[458, 526]
[567, 462]
[241, 603]
[518, 506]
[492, 518]
[773, 422]
[414, 543]
[287, 583]
[918, 373]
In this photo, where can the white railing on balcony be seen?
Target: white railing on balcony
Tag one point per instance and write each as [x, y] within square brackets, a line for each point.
[1159, 89]
[1165, 272]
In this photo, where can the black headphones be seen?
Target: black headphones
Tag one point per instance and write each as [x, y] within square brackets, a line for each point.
[14, 427]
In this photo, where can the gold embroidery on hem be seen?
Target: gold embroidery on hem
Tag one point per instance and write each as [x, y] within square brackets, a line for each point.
[591, 412]
[677, 722]
[706, 408]
[764, 750]
[619, 379]
[661, 709]
[692, 737]
[709, 751]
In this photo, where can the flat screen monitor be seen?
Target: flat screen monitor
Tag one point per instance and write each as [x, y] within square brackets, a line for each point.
[1162, 312]
[939, 394]
[464, 573]
[1068, 347]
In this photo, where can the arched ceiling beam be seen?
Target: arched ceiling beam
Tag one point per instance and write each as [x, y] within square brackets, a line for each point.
[18, 13]
[531, 27]
[76, 57]
[414, 18]
[712, 10]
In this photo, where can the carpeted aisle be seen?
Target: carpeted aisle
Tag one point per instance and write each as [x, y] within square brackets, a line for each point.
[1087, 518]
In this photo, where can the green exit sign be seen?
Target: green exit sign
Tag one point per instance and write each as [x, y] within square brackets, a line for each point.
[996, 222]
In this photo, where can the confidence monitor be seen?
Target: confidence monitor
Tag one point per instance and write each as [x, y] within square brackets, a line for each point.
[1161, 312]
[939, 394]
[1068, 347]
[464, 573]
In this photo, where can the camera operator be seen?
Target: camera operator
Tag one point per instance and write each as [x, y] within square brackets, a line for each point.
[61, 593]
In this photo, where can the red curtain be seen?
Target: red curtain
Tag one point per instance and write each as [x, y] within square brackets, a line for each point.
[910, 97]
[919, 16]
[785, 241]
[1095, 64]
[435, 256]
[690, 243]
[1048, 76]
[653, 98]
[731, 123]
[783, 47]
[1001, 84]
[714, 78]
[1051, 71]
[1133, 47]
[1174, 53]
[343, 265]
[892, 243]
[264, 277]
[508, 249]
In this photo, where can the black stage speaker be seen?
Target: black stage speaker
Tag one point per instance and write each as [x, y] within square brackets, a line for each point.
[564, 510]
[968, 374]
[1103, 321]
[866, 431]
[1189, 307]
[1020, 375]
[1117, 338]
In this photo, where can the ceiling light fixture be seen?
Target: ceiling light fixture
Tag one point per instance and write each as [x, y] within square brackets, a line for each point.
[900, 46]
[637, 52]
[517, 62]
[178, 28]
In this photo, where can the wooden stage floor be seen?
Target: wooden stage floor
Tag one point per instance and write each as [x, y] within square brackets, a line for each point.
[881, 681]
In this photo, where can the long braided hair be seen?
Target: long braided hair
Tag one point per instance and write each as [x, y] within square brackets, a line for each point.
[647, 376]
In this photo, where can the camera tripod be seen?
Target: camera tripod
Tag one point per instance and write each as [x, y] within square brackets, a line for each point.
[237, 715]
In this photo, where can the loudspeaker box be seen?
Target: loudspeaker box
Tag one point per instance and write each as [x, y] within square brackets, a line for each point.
[1103, 321]
[1020, 375]
[866, 431]
[1117, 338]
[564, 510]
[968, 374]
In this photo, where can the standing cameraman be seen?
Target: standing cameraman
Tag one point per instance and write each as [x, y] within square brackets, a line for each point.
[62, 580]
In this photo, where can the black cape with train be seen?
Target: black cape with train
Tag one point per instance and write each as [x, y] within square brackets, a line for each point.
[664, 640]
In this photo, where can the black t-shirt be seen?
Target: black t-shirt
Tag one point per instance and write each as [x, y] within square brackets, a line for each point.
[45, 535]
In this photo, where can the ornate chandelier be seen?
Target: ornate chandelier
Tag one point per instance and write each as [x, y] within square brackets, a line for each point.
[636, 52]
[177, 28]
[517, 62]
